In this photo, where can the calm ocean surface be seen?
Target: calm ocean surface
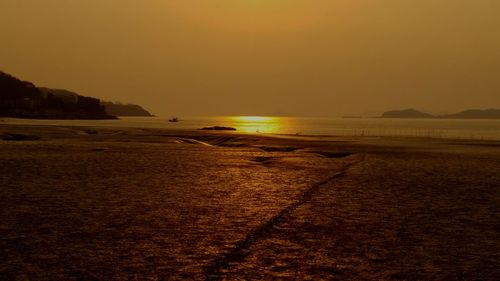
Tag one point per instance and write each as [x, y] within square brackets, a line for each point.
[439, 128]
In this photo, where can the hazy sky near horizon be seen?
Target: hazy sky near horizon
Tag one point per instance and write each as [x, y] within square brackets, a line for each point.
[260, 57]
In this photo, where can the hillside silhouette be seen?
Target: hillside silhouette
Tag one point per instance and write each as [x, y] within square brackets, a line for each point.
[120, 109]
[475, 114]
[22, 99]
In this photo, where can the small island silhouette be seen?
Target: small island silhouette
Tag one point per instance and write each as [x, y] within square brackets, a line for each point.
[467, 114]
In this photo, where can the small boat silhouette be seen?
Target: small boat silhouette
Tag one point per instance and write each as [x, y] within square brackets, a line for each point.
[174, 119]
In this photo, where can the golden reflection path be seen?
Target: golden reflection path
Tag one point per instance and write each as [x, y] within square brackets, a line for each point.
[257, 124]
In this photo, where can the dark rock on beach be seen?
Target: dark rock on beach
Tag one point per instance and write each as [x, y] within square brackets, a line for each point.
[219, 128]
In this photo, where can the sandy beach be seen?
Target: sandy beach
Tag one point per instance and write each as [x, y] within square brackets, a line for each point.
[82, 203]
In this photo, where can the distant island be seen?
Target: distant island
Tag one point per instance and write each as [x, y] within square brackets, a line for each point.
[467, 114]
[407, 113]
[120, 109]
[22, 99]
[475, 114]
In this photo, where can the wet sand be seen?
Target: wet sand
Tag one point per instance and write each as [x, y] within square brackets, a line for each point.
[106, 204]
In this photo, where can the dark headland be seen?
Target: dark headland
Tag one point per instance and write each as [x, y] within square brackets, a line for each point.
[120, 109]
[467, 114]
[22, 99]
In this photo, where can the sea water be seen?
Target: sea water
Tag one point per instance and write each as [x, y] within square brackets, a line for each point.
[480, 129]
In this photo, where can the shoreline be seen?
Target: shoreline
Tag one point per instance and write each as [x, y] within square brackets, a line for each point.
[393, 129]
[114, 203]
[200, 130]
[242, 139]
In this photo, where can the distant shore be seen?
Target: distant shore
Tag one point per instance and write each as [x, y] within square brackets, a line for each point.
[466, 114]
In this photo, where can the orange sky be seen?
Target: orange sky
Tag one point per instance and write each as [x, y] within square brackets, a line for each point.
[260, 57]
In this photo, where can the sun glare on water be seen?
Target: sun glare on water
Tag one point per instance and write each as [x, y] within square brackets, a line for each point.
[257, 124]
[262, 119]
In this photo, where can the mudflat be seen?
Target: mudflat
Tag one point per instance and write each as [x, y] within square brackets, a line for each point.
[111, 204]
